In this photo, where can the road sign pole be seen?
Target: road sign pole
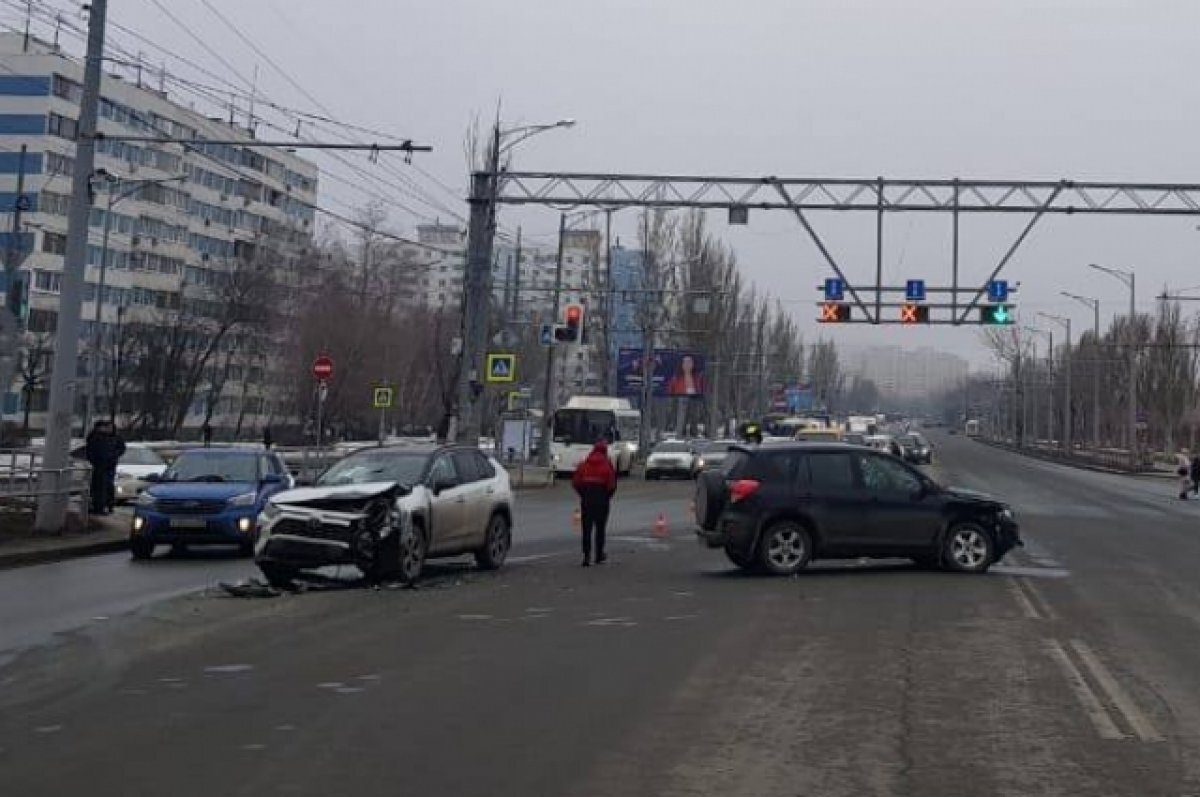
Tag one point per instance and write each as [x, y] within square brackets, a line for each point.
[382, 423]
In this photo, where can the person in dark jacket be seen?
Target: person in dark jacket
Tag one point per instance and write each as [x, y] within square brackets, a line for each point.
[104, 450]
[596, 481]
[1195, 474]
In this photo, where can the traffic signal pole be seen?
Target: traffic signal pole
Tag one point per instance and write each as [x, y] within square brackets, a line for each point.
[52, 505]
[548, 393]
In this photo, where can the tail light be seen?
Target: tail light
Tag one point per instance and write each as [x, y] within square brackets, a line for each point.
[742, 489]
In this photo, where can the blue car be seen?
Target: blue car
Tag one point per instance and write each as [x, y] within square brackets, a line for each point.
[209, 496]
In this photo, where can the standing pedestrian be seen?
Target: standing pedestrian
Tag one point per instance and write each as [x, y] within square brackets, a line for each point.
[104, 450]
[1195, 474]
[595, 481]
[206, 434]
[267, 439]
[1183, 469]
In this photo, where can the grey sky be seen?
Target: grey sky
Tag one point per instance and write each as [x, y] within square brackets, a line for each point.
[919, 88]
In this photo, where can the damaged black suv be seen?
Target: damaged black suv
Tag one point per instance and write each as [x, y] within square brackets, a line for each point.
[775, 508]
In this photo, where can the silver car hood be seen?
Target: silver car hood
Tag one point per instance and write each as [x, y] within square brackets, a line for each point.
[347, 492]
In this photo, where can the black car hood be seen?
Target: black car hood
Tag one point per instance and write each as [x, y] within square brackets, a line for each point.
[972, 496]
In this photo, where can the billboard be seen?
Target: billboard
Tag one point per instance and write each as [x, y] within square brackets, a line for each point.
[678, 373]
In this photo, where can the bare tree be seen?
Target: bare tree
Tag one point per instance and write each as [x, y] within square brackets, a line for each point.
[33, 371]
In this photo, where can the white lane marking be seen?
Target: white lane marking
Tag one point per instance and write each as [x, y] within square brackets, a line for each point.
[536, 557]
[1040, 604]
[330, 685]
[1027, 608]
[48, 729]
[1083, 693]
[475, 617]
[254, 747]
[624, 622]
[229, 668]
[681, 617]
[1116, 693]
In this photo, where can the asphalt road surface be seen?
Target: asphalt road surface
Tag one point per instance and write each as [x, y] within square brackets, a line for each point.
[1071, 669]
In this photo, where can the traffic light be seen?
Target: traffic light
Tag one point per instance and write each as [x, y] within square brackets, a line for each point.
[914, 314]
[834, 313]
[996, 315]
[18, 296]
[572, 329]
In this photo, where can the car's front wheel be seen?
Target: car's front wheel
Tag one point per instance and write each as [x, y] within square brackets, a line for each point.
[277, 575]
[412, 555]
[496, 544]
[141, 548]
[968, 548]
[785, 548]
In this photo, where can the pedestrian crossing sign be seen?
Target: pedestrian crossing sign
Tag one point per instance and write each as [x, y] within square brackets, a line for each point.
[382, 398]
[502, 368]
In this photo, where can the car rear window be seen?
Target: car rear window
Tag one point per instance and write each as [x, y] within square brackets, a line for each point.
[830, 471]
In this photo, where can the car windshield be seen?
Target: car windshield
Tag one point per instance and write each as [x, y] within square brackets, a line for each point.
[141, 456]
[672, 448]
[404, 467]
[213, 466]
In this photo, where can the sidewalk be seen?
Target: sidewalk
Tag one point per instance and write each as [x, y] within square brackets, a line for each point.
[106, 534]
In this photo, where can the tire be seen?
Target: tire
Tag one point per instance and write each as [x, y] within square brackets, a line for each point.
[412, 556]
[277, 575]
[744, 561]
[246, 549]
[785, 548]
[386, 562]
[496, 544]
[709, 498]
[140, 548]
[651, 476]
[968, 548]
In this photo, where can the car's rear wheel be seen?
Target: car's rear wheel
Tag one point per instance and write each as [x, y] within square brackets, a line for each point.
[496, 544]
[140, 548]
[785, 548]
[277, 575]
[968, 548]
[651, 475]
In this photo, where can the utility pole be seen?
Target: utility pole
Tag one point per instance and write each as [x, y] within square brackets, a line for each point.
[548, 390]
[52, 505]
[609, 295]
[477, 291]
[515, 311]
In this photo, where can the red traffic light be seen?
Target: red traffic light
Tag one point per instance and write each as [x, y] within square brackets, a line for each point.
[834, 312]
[574, 314]
[573, 320]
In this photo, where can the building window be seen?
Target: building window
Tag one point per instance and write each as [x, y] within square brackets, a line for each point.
[54, 244]
[47, 281]
[57, 163]
[67, 89]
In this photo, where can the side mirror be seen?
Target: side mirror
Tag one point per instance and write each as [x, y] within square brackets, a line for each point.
[152, 477]
[272, 478]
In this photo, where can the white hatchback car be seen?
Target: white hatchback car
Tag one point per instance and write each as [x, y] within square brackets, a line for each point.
[135, 465]
[671, 458]
[385, 510]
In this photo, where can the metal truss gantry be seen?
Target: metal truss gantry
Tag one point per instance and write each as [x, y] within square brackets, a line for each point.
[801, 196]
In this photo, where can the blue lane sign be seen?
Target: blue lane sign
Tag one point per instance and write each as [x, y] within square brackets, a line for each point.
[998, 291]
[914, 290]
[835, 289]
[546, 336]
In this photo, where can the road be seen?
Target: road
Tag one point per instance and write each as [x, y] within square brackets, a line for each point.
[1072, 669]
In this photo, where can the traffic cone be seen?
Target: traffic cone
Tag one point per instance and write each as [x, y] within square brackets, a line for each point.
[660, 525]
[576, 520]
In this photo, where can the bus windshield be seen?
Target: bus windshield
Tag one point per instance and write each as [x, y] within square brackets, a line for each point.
[575, 427]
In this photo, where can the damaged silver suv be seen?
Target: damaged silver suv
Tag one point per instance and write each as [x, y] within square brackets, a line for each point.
[385, 510]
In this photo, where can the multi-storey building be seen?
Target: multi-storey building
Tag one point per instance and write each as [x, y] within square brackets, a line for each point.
[908, 373]
[202, 211]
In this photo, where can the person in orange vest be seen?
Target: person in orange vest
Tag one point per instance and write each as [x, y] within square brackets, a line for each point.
[595, 481]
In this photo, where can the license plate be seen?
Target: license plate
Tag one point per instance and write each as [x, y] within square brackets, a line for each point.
[188, 523]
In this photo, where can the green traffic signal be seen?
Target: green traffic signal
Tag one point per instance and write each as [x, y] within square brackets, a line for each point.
[996, 315]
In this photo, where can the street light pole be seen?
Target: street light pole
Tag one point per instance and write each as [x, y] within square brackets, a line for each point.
[1129, 279]
[1068, 412]
[1095, 305]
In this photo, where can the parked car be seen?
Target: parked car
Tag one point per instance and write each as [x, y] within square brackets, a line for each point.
[135, 465]
[778, 508]
[387, 510]
[885, 443]
[208, 496]
[671, 458]
[917, 449]
[711, 455]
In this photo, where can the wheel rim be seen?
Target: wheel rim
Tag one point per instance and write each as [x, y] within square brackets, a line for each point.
[968, 548]
[498, 541]
[786, 548]
[414, 557]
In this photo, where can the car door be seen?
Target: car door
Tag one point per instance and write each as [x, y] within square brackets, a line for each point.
[900, 512]
[448, 504]
[834, 499]
[475, 511]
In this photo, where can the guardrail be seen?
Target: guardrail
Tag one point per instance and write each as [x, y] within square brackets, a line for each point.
[1115, 459]
[24, 479]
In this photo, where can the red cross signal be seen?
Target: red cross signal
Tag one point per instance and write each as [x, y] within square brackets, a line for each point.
[834, 312]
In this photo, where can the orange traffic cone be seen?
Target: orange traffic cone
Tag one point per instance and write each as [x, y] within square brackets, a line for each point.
[577, 520]
[660, 525]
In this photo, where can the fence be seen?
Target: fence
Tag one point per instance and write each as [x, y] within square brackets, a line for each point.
[1116, 459]
[24, 479]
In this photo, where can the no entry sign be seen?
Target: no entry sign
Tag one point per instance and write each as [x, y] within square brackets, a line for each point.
[322, 368]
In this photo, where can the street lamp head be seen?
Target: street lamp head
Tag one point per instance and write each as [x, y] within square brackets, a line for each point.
[568, 122]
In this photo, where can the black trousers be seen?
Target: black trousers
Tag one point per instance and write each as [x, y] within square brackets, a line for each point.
[103, 490]
[595, 521]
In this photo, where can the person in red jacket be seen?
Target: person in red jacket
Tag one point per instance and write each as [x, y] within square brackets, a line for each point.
[596, 481]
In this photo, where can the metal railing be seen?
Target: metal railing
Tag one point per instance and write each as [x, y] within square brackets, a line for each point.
[24, 479]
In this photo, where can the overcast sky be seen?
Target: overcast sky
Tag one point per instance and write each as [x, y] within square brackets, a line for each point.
[1083, 89]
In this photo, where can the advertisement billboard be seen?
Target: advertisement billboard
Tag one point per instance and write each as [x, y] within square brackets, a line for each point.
[675, 373]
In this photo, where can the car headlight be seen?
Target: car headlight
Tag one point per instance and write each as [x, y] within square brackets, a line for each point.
[1007, 514]
[145, 500]
[699, 463]
[245, 499]
[269, 512]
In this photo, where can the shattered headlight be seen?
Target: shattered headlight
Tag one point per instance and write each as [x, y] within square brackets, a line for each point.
[269, 512]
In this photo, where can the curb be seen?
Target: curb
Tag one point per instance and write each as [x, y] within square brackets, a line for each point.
[16, 559]
[1077, 464]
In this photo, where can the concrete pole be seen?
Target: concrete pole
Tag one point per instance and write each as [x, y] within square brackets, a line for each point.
[548, 394]
[52, 505]
[94, 355]
[1069, 411]
[1133, 414]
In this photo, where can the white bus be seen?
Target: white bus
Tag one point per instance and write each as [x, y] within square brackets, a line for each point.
[972, 429]
[586, 419]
